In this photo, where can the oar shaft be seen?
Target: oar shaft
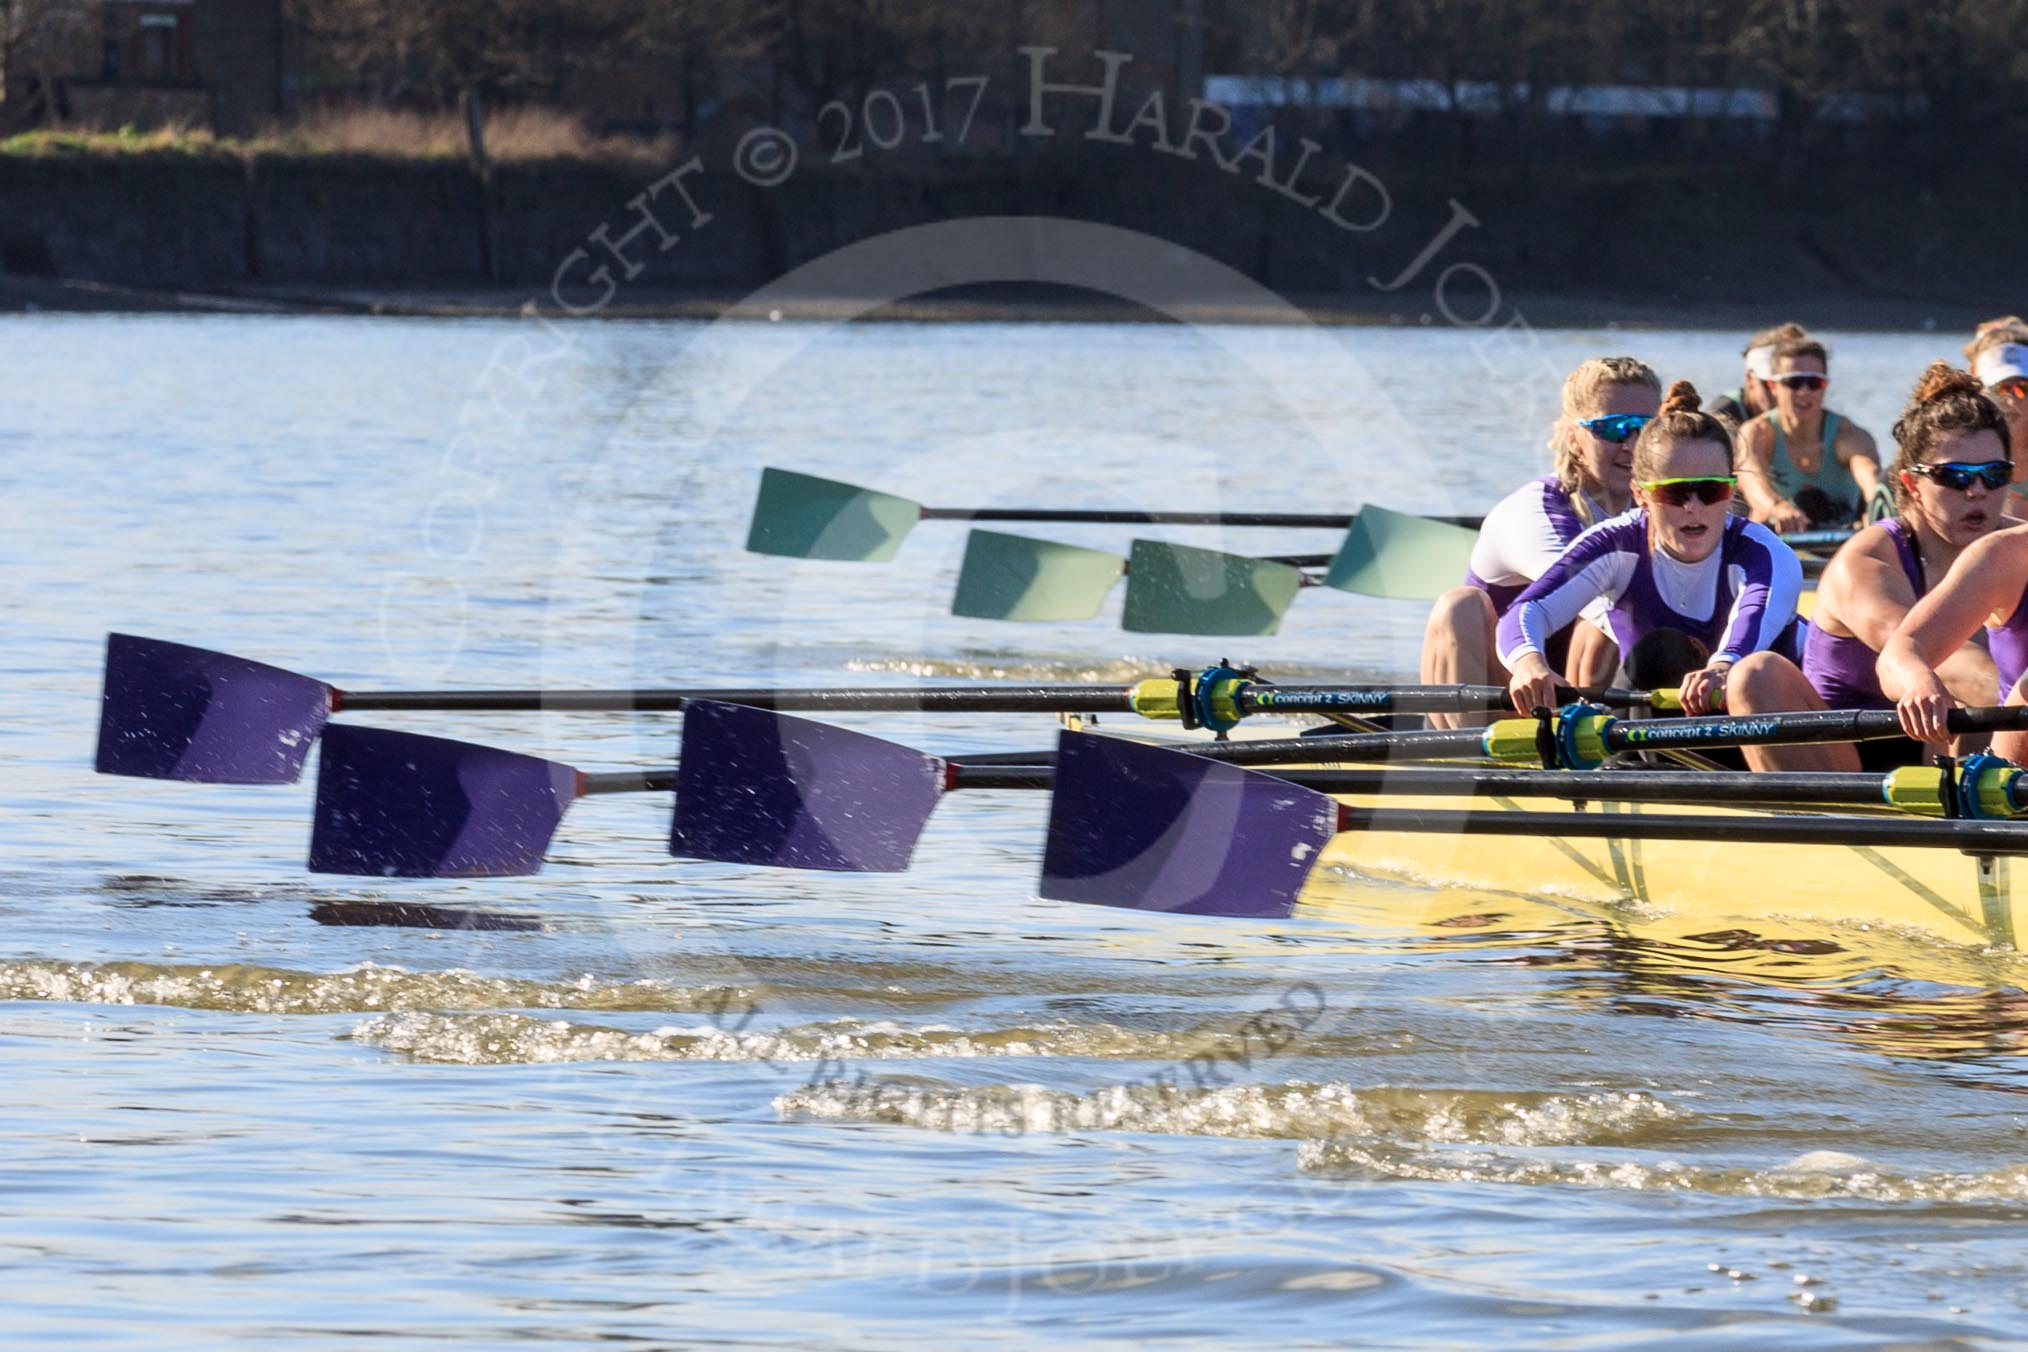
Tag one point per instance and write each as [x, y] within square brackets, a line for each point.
[1106, 517]
[1826, 725]
[1702, 788]
[1515, 739]
[1973, 837]
[1410, 699]
[1712, 788]
[1816, 539]
[1009, 700]
[626, 781]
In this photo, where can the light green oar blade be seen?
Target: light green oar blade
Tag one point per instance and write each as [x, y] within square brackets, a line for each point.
[1011, 577]
[1408, 558]
[1174, 589]
[804, 517]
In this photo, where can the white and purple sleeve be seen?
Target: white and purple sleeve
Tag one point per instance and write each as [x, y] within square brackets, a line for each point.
[1767, 587]
[1597, 566]
[1519, 539]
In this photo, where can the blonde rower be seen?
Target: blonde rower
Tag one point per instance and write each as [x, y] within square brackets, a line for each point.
[1606, 402]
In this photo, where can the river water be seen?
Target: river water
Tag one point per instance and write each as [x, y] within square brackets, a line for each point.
[663, 1102]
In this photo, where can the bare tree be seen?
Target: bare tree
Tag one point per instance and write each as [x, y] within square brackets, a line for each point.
[464, 53]
[42, 42]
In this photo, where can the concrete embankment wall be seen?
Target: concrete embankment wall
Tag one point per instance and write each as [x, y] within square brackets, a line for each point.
[175, 221]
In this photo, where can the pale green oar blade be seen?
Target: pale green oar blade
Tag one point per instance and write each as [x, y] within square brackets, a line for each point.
[1409, 558]
[1011, 577]
[804, 517]
[1174, 589]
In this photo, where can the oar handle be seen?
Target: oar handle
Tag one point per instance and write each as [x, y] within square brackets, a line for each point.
[1007, 700]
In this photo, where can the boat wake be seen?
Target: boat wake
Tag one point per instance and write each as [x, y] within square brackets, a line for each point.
[1818, 1176]
[1288, 1111]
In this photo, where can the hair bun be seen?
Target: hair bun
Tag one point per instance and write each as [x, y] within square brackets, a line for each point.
[1682, 398]
[1944, 381]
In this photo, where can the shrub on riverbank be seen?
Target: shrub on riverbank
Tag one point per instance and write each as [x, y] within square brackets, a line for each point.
[513, 136]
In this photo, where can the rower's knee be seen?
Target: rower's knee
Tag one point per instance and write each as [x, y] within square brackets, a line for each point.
[1463, 610]
[1765, 682]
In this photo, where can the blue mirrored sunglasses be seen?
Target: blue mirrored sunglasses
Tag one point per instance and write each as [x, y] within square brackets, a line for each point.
[1616, 427]
[1994, 474]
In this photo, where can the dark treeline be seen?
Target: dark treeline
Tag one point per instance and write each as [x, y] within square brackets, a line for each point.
[1936, 83]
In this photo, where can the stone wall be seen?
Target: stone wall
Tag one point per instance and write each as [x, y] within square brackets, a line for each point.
[174, 221]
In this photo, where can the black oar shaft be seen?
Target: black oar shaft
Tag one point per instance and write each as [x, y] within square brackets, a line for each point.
[1702, 788]
[1827, 725]
[1411, 699]
[626, 781]
[1681, 734]
[1008, 700]
[1100, 516]
[1973, 837]
[1713, 788]
[1107, 517]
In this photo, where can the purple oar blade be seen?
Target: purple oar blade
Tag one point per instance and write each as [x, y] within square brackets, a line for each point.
[755, 787]
[1161, 830]
[176, 712]
[395, 805]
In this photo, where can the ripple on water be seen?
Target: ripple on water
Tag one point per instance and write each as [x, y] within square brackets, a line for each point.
[254, 989]
[1287, 1111]
[1818, 1176]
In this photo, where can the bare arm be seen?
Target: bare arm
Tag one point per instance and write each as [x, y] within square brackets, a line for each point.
[1863, 593]
[1754, 462]
[1985, 582]
[1861, 456]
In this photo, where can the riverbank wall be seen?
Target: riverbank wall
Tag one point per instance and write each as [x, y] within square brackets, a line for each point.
[229, 225]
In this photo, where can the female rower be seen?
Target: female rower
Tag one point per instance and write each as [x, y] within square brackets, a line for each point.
[1606, 402]
[1751, 399]
[1950, 474]
[1692, 589]
[1986, 585]
[1998, 354]
[1801, 465]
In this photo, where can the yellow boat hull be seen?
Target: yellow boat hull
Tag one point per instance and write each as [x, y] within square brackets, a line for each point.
[1713, 884]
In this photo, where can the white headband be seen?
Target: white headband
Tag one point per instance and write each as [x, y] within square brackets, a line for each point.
[2007, 361]
[1760, 361]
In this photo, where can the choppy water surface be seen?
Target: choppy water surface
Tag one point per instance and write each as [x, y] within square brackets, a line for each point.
[660, 1102]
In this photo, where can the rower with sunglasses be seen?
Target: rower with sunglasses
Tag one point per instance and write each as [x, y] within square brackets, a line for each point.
[1691, 588]
[1605, 403]
[1998, 354]
[1803, 467]
[1751, 399]
[1988, 584]
[1950, 475]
